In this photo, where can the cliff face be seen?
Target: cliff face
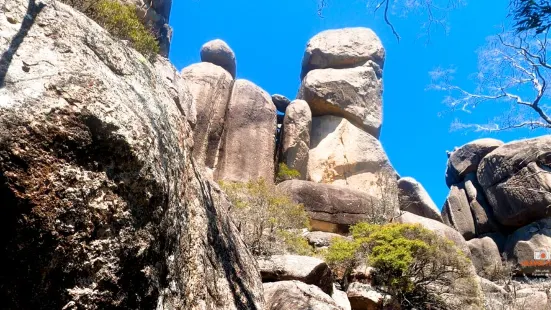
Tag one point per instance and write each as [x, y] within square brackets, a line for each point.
[101, 205]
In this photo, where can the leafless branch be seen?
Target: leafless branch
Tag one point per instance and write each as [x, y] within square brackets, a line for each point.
[512, 69]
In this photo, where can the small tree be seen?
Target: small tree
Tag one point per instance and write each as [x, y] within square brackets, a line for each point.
[285, 173]
[411, 264]
[268, 220]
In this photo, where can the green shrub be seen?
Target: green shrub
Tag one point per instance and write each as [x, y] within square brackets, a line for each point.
[121, 21]
[285, 173]
[411, 263]
[268, 220]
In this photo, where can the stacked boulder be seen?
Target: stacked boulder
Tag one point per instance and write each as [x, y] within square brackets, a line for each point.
[330, 133]
[234, 134]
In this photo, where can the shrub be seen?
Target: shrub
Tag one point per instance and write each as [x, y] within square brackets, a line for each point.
[122, 21]
[268, 220]
[411, 263]
[285, 173]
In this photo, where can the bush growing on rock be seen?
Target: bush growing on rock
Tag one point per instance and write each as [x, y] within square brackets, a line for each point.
[268, 220]
[285, 173]
[411, 264]
[122, 21]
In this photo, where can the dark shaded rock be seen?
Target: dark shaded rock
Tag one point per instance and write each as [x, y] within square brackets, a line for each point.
[465, 159]
[281, 102]
[415, 199]
[456, 212]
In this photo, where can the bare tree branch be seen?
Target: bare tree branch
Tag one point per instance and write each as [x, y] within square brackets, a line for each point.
[513, 69]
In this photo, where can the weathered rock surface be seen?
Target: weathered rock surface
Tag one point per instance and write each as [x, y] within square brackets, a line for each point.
[483, 215]
[457, 212]
[219, 53]
[531, 299]
[309, 270]
[485, 255]
[101, 205]
[441, 229]
[281, 102]
[296, 136]
[355, 94]
[331, 204]
[415, 199]
[210, 88]
[341, 299]
[295, 295]
[321, 239]
[342, 48]
[364, 297]
[517, 181]
[248, 142]
[466, 158]
[525, 241]
[344, 154]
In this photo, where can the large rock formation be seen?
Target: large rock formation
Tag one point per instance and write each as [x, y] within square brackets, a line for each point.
[247, 151]
[517, 182]
[342, 48]
[457, 212]
[210, 86]
[415, 199]
[355, 94]
[295, 143]
[344, 154]
[485, 256]
[294, 295]
[523, 244]
[333, 208]
[102, 207]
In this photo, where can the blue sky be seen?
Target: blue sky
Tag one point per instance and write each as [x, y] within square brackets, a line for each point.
[269, 38]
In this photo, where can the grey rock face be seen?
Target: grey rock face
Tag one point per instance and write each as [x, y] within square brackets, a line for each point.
[341, 299]
[327, 203]
[296, 136]
[457, 212]
[219, 53]
[320, 238]
[343, 154]
[355, 94]
[101, 205]
[281, 102]
[441, 229]
[293, 295]
[466, 158]
[485, 255]
[517, 181]
[210, 88]
[415, 199]
[483, 215]
[525, 241]
[305, 269]
[342, 48]
[364, 296]
[248, 143]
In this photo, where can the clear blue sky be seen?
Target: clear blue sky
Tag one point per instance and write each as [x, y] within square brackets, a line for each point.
[269, 38]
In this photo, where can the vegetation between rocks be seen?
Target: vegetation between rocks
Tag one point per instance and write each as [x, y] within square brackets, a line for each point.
[285, 173]
[269, 222]
[122, 21]
[411, 264]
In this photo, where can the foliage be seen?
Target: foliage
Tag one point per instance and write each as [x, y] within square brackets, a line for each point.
[531, 15]
[122, 21]
[267, 219]
[285, 173]
[411, 264]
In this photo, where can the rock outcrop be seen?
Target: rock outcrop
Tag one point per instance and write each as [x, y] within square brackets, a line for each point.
[343, 154]
[457, 212]
[355, 94]
[247, 151]
[333, 208]
[415, 199]
[522, 245]
[516, 179]
[293, 295]
[219, 53]
[281, 102]
[305, 269]
[364, 297]
[485, 256]
[101, 205]
[210, 88]
[342, 48]
[295, 143]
